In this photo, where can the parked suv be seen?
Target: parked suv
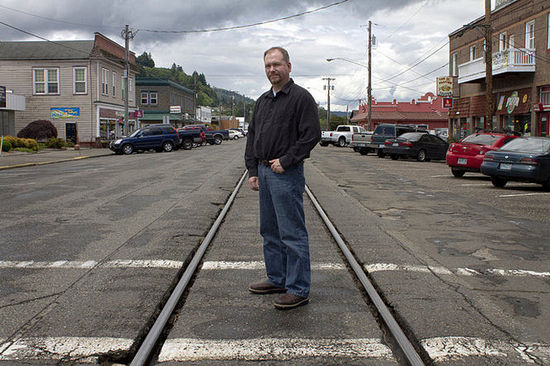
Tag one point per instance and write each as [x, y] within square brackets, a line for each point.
[385, 131]
[159, 138]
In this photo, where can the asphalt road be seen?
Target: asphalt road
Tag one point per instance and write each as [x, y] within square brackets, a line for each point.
[89, 249]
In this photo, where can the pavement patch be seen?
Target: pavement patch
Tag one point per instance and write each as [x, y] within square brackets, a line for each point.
[255, 265]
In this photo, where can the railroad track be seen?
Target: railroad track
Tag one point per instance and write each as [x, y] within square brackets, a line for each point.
[404, 350]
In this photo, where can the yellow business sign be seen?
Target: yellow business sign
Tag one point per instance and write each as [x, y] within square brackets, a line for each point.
[444, 86]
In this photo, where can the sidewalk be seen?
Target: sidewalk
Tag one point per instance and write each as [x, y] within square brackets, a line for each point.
[16, 159]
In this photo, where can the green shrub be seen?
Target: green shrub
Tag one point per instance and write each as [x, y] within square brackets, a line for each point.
[38, 130]
[24, 149]
[56, 143]
[6, 146]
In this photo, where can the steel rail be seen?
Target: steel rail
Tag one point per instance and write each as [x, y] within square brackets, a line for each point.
[144, 351]
[410, 353]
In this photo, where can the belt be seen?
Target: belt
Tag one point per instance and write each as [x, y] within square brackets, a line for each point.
[265, 162]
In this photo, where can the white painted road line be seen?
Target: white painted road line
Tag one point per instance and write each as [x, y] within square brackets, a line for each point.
[259, 265]
[524, 194]
[120, 263]
[440, 349]
[475, 184]
[83, 349]
[255, 265]
[379, 267]
[264, 349]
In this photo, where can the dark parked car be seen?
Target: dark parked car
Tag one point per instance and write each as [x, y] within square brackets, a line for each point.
[467, 154]
[213, 137]
[525, 159]
[419, 145]
[385, 131]
[159, 138]
[191, 137]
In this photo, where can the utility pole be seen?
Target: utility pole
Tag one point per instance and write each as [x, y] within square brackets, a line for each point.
[369, 87]
[488, 66]
[328, 100]
[127, 34]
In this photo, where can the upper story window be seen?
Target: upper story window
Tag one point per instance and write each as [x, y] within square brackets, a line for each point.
[454, 65]
[473, 53]
[530, 34]
[80, 77]
[104, 81]
[46, 81]
[153, 98]
[144, 98]
[123, 88]
[114, 84]
[502, 39]
[130, 89]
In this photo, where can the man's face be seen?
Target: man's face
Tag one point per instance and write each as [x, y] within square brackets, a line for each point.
[276, 68]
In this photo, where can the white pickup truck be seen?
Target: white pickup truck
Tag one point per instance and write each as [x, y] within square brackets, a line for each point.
[341, 137]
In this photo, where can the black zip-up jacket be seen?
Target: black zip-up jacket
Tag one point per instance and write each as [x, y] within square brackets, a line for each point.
[284, 127]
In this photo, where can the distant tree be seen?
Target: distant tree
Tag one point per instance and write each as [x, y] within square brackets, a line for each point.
[145, 59]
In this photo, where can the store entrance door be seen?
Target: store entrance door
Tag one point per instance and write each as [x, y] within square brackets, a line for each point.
[544, 121]
[70, 132]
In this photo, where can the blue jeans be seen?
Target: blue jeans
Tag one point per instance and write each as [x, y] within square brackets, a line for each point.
[283, 228]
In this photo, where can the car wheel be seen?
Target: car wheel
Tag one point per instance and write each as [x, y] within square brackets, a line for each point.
[364, 151]
[380, 154]
[187, 144]
[457, 172]
[323, 143]
[498, 182]
[421, 156]
[127, 149]
[168, 146]
[342, 142]
[394, 156]
[217, 140]
[546, 185]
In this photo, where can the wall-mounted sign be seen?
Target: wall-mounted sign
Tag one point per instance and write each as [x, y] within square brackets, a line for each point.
[139, 113]
[512, 102]
[64, 112]
[447, 102]
[175, 109]
[444, 86]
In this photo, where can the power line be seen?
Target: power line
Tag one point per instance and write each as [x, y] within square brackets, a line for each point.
[247, 25]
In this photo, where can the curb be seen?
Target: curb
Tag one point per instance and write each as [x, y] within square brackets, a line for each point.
[6, 167]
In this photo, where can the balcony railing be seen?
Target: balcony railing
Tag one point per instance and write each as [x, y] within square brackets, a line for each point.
[509, 60]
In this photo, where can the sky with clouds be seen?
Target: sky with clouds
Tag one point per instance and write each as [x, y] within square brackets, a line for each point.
[408, 32]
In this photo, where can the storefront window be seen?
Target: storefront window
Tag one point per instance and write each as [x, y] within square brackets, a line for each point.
[545, 96]
[107, 129]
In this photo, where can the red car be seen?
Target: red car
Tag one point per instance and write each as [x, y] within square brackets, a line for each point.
[467, 154]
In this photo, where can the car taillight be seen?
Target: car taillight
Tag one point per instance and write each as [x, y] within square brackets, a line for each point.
[483, 150]
[409, 144]
[331, 134]
[529, 161]
[387, 142]
[488, 157]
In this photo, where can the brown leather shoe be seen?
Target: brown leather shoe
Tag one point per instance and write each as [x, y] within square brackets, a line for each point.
[290, 301]
[265, 288]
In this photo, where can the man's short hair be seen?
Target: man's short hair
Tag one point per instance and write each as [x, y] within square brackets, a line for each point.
[286, 57]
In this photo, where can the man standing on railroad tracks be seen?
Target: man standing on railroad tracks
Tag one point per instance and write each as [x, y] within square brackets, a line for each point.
[283, 131]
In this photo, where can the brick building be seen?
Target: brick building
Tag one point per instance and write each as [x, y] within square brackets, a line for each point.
[165, 101]
[520, 69]
[77, 85]
[427, 112]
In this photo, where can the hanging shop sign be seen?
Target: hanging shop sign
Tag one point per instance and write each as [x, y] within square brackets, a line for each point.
[175, 109]
[64, 112]
[444, 86]
[447, 102]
